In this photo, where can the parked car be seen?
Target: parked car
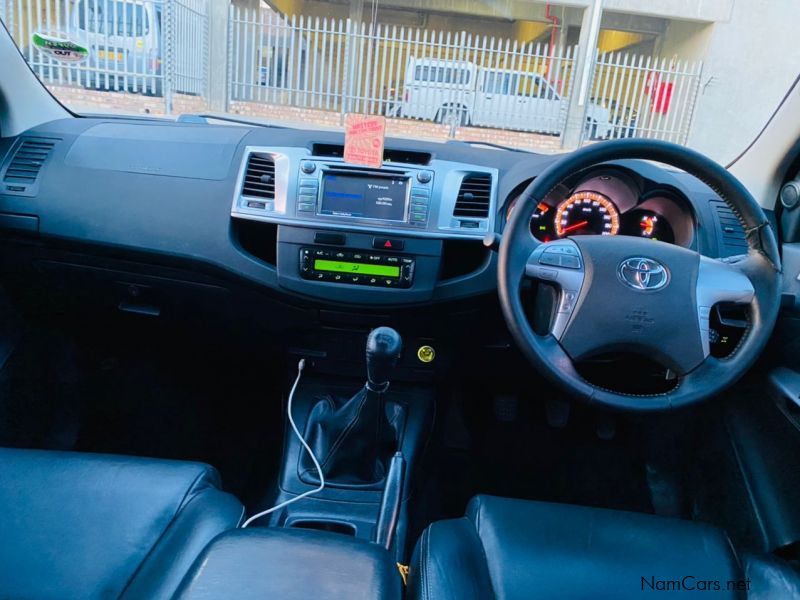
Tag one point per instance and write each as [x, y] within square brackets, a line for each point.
[124, 42]
[447, 91]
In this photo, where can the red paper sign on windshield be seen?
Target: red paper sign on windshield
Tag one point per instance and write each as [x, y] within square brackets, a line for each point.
[363, 139]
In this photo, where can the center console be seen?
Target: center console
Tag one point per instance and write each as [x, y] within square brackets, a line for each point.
[349, 233]
[366, 436]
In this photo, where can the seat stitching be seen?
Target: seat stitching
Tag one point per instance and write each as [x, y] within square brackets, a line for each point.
[480, 540]
[424, 560]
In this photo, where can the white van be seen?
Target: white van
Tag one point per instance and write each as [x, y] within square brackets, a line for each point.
[439, 90]
[446, 91]
[124, 42]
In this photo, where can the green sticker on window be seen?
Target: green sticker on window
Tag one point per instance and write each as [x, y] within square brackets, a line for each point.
[60, 49]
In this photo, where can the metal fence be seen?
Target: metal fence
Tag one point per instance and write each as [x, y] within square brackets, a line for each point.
[158, 47]
[438, 76]
[461, 78]
[153, 47]
[645, 96]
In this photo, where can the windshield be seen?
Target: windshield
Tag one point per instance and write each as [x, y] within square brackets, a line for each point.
[540, 76]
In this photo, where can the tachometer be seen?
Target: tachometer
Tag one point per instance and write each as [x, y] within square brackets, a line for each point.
[586, 213]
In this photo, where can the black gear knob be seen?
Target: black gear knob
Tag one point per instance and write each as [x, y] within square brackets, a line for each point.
[384, 345]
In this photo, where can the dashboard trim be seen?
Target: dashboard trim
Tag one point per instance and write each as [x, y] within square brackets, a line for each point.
[441, 223]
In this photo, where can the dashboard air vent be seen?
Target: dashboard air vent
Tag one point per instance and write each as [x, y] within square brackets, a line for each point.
[259, 177]
[27, 162]
[473, 197]
[731, 233]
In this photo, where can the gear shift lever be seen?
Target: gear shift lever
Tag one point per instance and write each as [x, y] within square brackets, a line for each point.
[384, 345]
[354, 439]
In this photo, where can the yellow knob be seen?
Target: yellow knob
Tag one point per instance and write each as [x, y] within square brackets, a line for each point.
[426, 354]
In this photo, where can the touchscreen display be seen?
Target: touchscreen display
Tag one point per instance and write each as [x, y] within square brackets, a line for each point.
[364, 196]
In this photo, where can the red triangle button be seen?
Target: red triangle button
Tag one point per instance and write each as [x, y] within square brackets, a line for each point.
[387, 244]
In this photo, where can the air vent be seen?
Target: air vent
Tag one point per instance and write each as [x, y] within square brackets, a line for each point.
[259, 177]
[731, 233]
[407, 157]
[474, 195]
[27, 162]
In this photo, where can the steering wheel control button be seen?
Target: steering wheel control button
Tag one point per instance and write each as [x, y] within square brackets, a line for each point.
[568, 299]
[570, 262]
[562, 248]
[550, 258]
[548, 274]
[557, 257]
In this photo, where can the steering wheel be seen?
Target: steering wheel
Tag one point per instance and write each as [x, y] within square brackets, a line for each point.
[619, 293]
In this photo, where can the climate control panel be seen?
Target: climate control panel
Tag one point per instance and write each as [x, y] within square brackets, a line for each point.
[355, 267]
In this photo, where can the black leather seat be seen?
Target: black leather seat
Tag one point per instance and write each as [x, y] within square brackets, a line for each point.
[96, 526]
[509, 549]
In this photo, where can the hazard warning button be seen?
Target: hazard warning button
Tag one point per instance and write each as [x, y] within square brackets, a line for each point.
[388, 243]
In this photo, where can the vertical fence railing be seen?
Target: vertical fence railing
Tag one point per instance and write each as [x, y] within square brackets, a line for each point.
[131, 45]
[190, 46]
[445, 77]
[643, 96]
[160, 47]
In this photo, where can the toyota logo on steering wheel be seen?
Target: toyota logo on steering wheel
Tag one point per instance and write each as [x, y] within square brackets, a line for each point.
[643, 274]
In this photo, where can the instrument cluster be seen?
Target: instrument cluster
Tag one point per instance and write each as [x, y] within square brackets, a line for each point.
[611, 202]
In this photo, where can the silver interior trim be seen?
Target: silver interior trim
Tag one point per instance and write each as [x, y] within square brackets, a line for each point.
[718, 281]
[441, 223]
[569, 280]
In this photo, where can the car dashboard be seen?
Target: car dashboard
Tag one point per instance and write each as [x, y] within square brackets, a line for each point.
[279, 208]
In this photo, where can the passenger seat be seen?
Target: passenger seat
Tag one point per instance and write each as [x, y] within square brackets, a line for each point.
[99, 526]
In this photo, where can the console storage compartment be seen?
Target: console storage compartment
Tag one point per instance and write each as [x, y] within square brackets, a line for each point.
[291, 564]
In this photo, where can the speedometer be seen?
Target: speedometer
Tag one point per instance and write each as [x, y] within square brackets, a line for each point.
[586, 213]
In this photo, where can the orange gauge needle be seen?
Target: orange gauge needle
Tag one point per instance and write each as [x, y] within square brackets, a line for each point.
[574, 227]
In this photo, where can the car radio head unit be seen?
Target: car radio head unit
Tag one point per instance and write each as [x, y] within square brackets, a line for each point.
[364, 196]
[388, 198]
[436, 199]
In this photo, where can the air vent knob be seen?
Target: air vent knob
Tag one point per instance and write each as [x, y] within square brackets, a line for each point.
[308, 166]
[469, 196]
[265, 178]
[790, 195]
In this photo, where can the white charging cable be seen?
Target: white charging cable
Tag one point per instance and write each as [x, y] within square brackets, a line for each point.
[300, 366]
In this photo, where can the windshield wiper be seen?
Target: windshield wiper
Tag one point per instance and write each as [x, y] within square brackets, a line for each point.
[205, 119]
[490, 145]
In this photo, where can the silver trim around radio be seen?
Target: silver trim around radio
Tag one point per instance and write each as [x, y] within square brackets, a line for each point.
[441, 222]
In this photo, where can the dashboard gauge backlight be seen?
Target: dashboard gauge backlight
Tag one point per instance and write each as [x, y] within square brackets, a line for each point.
[586, 212]
[648, 224]
[542, 222]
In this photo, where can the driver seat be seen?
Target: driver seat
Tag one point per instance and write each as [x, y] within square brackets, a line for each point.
[506, 548]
